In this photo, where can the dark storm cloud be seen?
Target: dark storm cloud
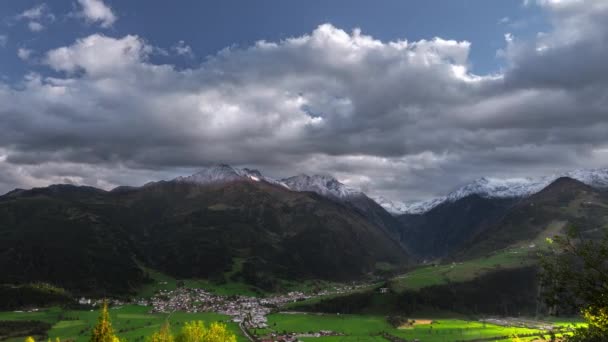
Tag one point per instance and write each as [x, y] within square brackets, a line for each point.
[404, 119]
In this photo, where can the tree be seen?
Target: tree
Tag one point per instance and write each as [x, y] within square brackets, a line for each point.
[29, 339]
[196, 331]
[163, 335]
[103, 332]
[575, 274]
[192, 332]
[219, 333]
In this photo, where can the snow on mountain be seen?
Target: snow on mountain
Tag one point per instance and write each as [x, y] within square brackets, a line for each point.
[596, 178]
[330, 187]
[322, 185]
[223, 173]
[498, 188]
[397, 208]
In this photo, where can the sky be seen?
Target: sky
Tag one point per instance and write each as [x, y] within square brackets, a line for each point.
[402, 99]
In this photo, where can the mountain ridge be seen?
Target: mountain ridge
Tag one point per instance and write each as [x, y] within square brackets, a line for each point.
[186, 229]
[491, 187]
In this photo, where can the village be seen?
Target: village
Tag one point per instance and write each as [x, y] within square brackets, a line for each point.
[249, 311]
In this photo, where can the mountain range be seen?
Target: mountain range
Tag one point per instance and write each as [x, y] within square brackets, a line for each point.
[230, 222]
[219, 221]
[488, 187]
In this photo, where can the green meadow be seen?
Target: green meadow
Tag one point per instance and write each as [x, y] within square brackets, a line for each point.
[134, 323]
[131, 322]
[369, 328]
[463, 271]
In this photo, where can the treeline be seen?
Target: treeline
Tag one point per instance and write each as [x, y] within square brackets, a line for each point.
[10, 329]
[32, 295]
[506, 292]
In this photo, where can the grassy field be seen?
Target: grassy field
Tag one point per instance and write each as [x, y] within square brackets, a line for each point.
[463, 271]
[131, 322]
[368, 328]
[134, 323]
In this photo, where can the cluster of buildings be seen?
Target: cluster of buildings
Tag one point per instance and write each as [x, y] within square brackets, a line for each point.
[295, 337]
[249, 311]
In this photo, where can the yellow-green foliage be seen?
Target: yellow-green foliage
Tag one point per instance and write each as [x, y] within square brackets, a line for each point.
[29, 339]
[57, 339]
[103, 332]
[192, 332]
[219, 333]
[515, 338]
[597, 318]
[163, 335]
[196, 331]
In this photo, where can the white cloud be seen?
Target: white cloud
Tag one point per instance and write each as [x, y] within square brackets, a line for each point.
[35, 26]
[183, 49]
[35, 16]
[402, 118]
[3, 40]
[37, 12]
[99, 55]
[24, 53]
[96, 11]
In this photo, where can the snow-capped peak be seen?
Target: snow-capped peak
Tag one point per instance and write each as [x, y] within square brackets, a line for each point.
[322, 185]
[416, 207]
[223, 173]
[498, 188]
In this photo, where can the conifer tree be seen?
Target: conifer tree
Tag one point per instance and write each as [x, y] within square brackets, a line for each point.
[163, 335]
[103, 332]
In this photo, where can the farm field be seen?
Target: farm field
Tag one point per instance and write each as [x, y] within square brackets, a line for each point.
[134, 323]
[368, 328]
[463, 271]
[131, 322]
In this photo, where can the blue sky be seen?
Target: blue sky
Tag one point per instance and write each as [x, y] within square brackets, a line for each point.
[403, 99]
[209, 26]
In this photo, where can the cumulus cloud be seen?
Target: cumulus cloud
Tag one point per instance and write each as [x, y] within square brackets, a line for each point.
[24, 54]
[36, 16]
[96, 11]
[404, 119]
[183, 49]
[35, 26]
[37, 12]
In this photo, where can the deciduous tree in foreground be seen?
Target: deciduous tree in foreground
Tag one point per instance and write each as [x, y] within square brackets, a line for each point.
[194, 331]
[103, 331]
[576, 274]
